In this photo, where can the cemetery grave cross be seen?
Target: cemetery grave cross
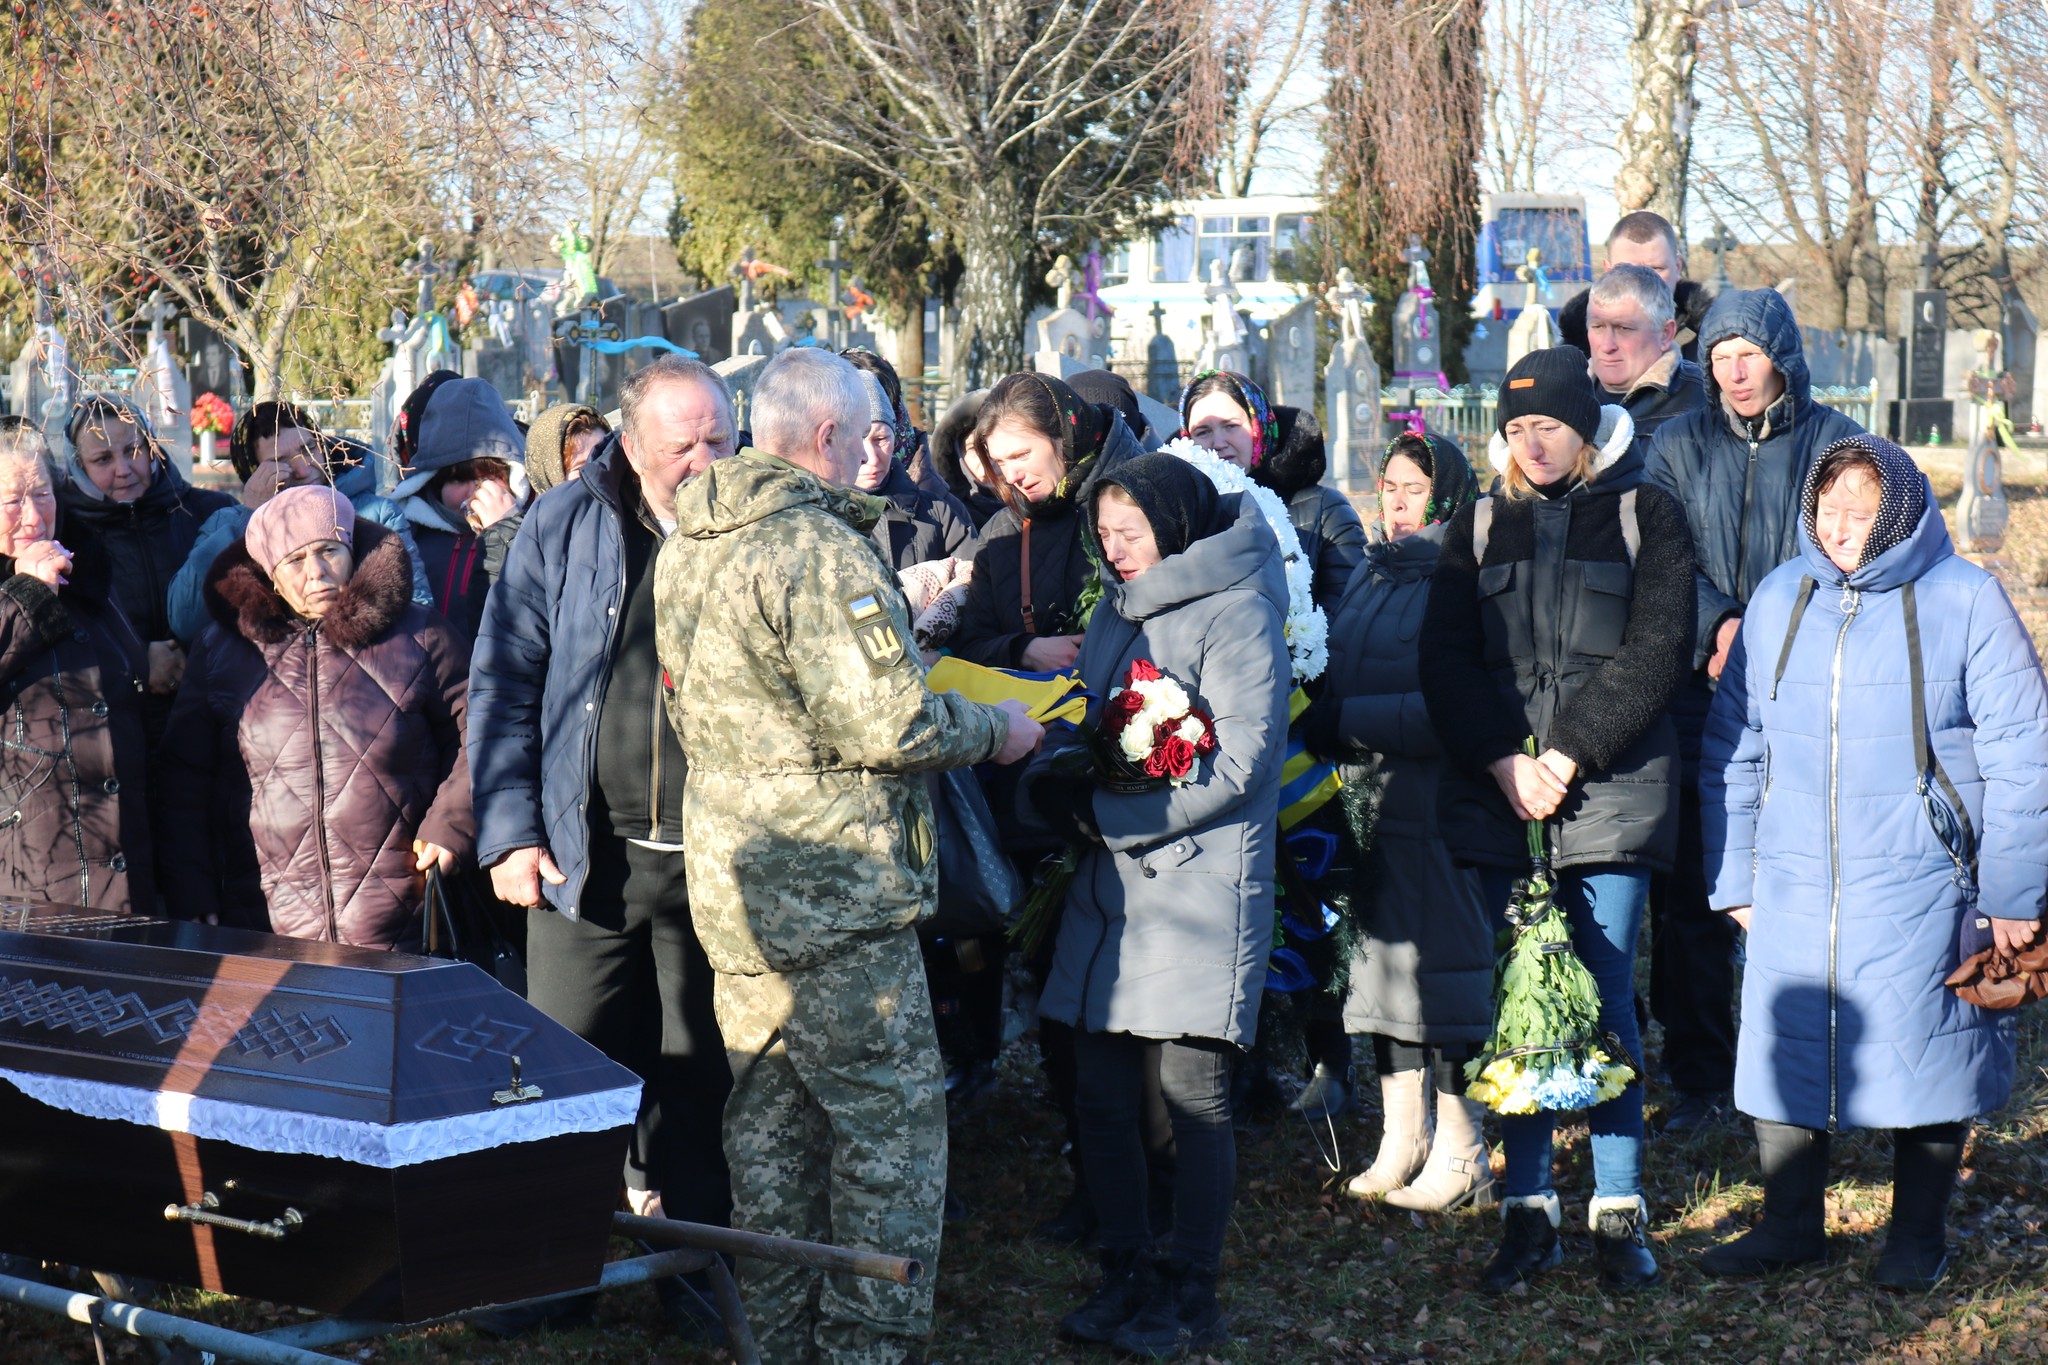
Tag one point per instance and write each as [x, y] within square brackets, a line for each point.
[427, 269]
[1720, 244]
[159, 310]
[833, 265]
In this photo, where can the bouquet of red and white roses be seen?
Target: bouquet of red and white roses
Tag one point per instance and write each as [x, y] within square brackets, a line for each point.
[1150, 734]
[1152, 730]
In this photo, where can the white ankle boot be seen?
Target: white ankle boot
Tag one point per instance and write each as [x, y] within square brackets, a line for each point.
[1404, 1142]
[1457, 1172]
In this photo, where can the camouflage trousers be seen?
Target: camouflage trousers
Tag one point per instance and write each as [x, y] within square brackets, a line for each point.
[836, 1132]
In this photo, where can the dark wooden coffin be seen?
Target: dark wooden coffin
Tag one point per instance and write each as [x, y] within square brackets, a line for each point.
[314, 1125]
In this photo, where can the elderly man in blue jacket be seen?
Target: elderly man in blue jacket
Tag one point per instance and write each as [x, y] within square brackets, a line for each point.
[578, 781]
[1736, 465]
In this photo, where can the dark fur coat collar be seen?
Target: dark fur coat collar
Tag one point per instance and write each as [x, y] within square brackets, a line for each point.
[1299, 460]
[242, 598]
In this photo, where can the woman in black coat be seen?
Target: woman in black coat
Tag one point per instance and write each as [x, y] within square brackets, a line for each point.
[1562, 608]
[1049, 448]
[1422, 970]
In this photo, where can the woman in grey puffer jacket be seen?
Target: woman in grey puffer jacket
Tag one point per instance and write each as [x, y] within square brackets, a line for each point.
[1168, 924]
[1422, 972]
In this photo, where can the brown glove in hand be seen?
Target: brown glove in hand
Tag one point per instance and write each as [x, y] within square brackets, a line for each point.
[1998, 980]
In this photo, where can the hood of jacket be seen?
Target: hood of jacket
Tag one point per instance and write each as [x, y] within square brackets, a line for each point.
[1763, 319]
[243, 598]
[752, 485]
[465, 420]
[1244, 552]
[1299, 458]
[1615, 439]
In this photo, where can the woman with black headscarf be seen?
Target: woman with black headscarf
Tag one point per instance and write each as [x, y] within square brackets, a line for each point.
[1422, 969]
[1162, 947]
[1031, 596]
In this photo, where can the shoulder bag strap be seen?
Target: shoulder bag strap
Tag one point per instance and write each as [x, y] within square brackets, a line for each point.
[1792, 632]
[1631, 529]
[1024, 579]
[1482, 528]
[1925, 759]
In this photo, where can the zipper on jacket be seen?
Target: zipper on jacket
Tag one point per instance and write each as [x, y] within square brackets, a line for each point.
[1852, 602]
[654, 779]
[1742, 536]
[604, 675]
[320, 782]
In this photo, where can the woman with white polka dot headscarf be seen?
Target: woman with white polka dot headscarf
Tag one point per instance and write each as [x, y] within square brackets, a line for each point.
[1874, 795]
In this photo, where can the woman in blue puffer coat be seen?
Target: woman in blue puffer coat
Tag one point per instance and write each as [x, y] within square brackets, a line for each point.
[1864, 826]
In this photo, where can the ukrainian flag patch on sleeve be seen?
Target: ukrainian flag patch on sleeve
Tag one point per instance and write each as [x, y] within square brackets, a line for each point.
[879, 639]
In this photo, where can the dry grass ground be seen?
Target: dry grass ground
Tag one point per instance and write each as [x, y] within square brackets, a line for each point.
[1311, 1276]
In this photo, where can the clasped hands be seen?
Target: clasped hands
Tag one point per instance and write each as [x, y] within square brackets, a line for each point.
[1534, 787]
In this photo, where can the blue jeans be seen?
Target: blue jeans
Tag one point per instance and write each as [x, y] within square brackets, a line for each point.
[1604, 906]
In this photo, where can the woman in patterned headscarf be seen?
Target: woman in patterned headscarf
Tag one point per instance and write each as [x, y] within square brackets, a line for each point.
[1873, 781]
[1283, 449]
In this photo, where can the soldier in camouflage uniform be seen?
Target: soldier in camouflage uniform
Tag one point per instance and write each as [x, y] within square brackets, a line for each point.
[801, 704]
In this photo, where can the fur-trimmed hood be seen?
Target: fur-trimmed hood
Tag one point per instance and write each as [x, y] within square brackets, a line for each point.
[243, 598]
[1299, 459]
[1617, 431]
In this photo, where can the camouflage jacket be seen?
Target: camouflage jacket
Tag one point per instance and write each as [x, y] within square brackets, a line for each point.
[800, 701]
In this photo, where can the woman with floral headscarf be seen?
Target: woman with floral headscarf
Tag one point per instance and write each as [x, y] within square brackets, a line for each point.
[1422, 969]
[1283, 449]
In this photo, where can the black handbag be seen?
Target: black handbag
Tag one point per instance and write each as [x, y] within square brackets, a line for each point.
[457, 927]
[979, 887]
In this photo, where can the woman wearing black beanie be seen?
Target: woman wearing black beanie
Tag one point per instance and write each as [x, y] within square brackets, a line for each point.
[1562, 608]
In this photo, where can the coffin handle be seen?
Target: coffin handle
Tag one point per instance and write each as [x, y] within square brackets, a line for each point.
[274, 1230]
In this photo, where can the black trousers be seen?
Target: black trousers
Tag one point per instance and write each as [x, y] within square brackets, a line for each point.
[1194, 1077]
[1446, 1062]
[631, 979]
[1692, 966]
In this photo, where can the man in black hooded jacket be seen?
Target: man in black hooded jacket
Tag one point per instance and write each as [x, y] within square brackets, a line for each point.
[1736, 465]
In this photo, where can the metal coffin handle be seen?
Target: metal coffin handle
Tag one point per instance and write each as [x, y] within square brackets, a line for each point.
[275, 1230]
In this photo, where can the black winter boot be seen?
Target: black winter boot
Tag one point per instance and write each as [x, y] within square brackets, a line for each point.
[1621, 1242]
[1528, 1242]
[1793, 1229]
[1126, 1284]
[1180, 1315]
[1924, 1164]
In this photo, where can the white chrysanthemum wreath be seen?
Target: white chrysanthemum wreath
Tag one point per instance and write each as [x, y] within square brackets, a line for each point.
[1308, 631]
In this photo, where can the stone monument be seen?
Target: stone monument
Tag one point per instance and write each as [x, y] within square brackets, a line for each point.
[1924, 411]
[1418, 345]
[1291, 356]
[160, 389]
[1981, 511]
[2020, 334]
[1065, 344]
[834, 267]
[1162, 365]
[1225, 346]
[1534, 329]
[1351, 390]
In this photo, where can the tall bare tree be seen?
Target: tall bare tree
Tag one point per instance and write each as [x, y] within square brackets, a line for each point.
[1268, 46]
[233, 152]
[1537, 104]
[1017, 127]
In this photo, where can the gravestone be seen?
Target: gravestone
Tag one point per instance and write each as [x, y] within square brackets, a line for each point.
[1418, 335]
[2022, 333]
[43, 382]
[1924, 411]
[1162, 366]
[741, 373]
[160, 388]
[1981, 511]
[1351, 390]
[1064, 334]
[834, 267]
[499, 366]
[1291, 356]
[1226, 344]
[1101, 317]
[752, 333]
[702, 323]
[212, 365]
[1534, 329]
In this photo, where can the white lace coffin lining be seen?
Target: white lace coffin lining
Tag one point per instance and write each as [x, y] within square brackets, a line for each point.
[367, 1144]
